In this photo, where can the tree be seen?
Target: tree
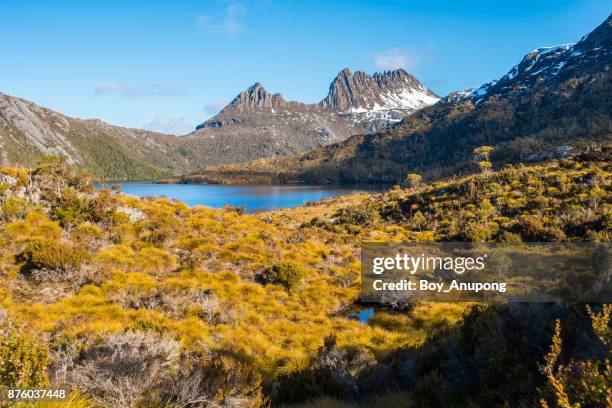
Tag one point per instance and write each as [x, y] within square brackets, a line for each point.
[53, 164]
[580, 383]
[54, 172]
[482, 158]
[413, 180]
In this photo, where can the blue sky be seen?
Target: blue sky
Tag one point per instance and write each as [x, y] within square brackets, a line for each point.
[169, 65]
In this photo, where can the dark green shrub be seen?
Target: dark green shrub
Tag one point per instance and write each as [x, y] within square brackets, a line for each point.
[361, 215]
[286, 274]
[43, 254]
[74, 208]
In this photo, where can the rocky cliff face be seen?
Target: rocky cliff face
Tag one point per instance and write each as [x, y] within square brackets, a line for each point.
[390, 90]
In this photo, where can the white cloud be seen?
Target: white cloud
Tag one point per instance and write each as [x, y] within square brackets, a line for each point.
[130, 91]
[172, 126]
[396, 58]
[227, 21]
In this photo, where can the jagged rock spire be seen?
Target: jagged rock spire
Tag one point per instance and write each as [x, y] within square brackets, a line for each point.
[256, 97]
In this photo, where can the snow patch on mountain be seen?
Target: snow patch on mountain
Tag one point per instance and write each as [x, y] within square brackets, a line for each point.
[543, 64]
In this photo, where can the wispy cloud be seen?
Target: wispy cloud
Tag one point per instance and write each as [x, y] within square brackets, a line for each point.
[130, 91]
[172, 126]
[227, 21]
[396, 58]
[213, 108]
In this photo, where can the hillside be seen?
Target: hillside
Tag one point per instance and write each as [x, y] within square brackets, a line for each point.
[554, 102]
[152, 303]
[28, 131]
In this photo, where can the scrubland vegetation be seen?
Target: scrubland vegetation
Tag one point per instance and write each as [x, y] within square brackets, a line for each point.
[147, 302]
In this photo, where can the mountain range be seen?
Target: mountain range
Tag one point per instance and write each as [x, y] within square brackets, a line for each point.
[553, 103]
[376, 129]
[255, 124]
[259, 124]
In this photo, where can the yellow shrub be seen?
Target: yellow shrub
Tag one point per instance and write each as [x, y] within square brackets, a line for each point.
[85, 231]
[154, 260]
[13, 208]
[23, 358]
[116, 256]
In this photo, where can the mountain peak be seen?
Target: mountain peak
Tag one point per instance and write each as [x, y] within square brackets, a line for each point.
[389, 90]
[547, 65]
[256, 98]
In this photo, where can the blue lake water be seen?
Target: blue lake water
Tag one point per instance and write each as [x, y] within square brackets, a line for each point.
[362, 315]
[254, 198]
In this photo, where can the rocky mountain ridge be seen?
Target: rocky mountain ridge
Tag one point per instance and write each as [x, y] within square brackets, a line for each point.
[390, 91]
[556, 63]
[258, 124]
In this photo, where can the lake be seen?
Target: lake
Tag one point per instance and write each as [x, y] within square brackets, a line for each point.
[255, 198]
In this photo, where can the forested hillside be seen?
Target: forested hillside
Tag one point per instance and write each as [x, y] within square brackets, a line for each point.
[28, 132]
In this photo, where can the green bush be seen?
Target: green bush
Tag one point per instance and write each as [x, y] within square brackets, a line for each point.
[43, 254]
[286, 274]
[73, 208]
